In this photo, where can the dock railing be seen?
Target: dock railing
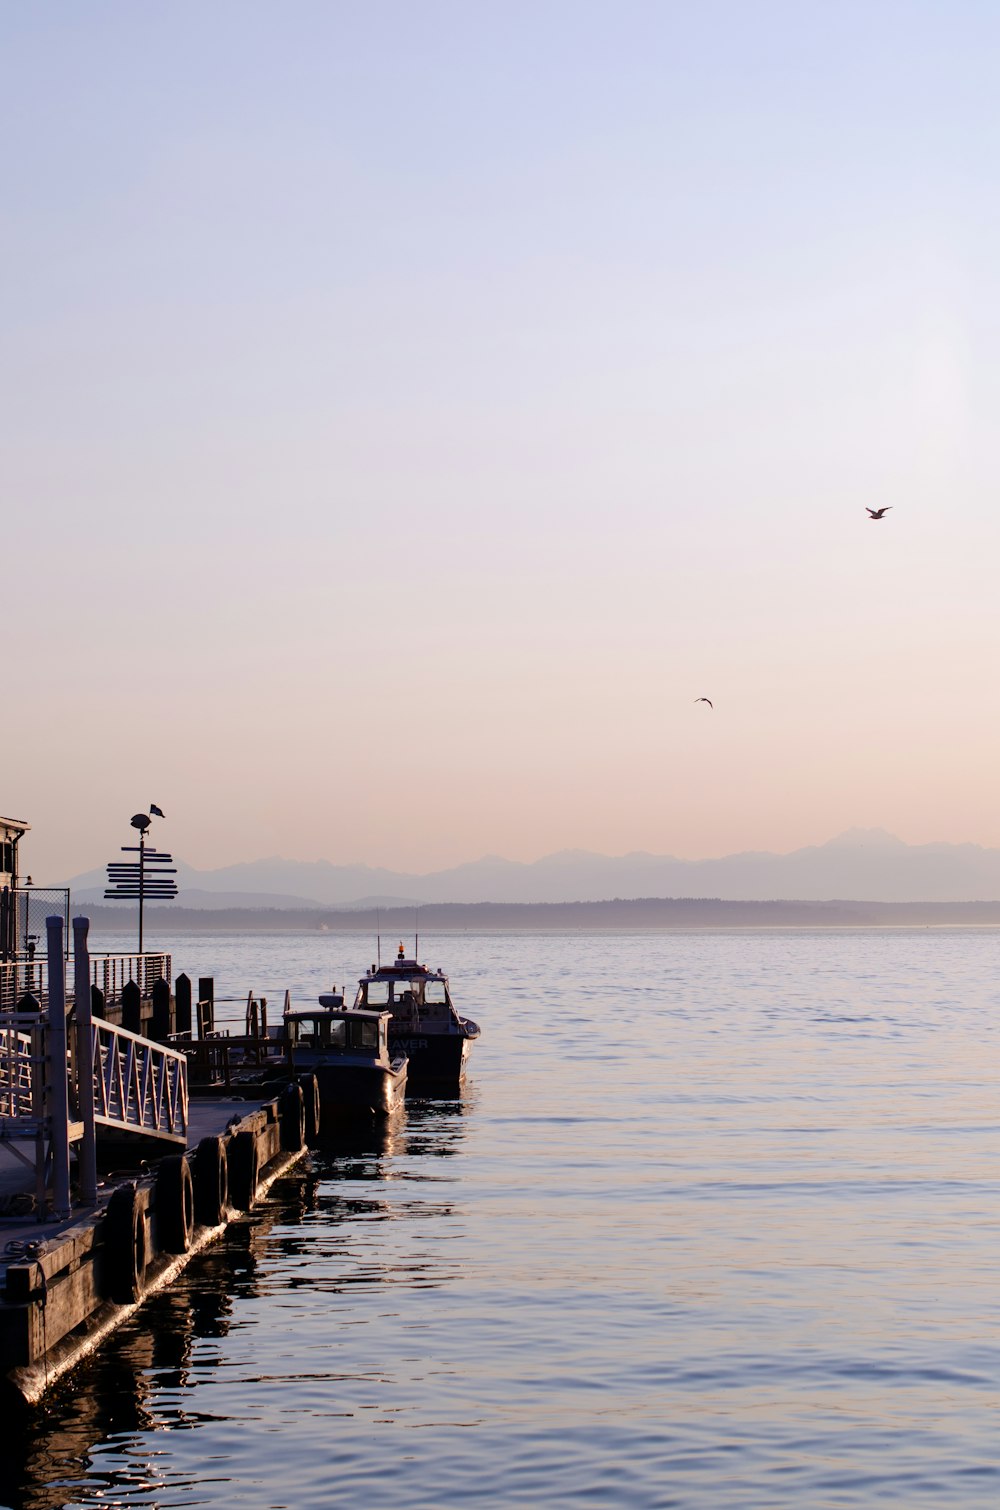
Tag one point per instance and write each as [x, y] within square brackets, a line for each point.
[139, 1086]
[22, 1059]
[110, 973]
[60, 1077]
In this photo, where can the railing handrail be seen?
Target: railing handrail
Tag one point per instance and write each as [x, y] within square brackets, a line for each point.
[109, 972]
[147, 1086]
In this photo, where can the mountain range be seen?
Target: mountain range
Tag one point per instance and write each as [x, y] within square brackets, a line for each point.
[862, 864]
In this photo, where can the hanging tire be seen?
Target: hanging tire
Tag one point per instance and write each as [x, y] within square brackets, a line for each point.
[292, 1118]
[310, 1100]
[244, 1170]
[211, 1182]
[126, 1250]
[174, 1204]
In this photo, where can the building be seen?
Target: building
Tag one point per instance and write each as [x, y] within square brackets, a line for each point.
[12, 830]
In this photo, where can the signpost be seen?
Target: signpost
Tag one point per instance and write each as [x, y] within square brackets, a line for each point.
[148, 877]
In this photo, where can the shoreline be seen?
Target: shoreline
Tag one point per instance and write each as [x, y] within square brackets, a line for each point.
[637, 916]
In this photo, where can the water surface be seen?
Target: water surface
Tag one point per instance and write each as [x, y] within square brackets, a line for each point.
[715, 1224]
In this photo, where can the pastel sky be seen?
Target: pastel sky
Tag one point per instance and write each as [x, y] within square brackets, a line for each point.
[411, 408]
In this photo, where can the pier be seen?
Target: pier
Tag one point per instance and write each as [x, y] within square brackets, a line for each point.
[114, 1170]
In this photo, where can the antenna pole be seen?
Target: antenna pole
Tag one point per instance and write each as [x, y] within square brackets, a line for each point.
[142, 877]
[416, 933]
[378, 936]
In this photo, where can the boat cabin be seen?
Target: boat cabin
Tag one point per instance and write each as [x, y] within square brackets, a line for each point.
[412, 992]
[342, 1031]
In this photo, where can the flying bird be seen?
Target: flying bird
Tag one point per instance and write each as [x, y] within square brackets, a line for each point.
[705, 700]
[878, 513]
[155, 812]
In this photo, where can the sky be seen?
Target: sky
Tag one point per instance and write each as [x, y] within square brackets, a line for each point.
[410, 410]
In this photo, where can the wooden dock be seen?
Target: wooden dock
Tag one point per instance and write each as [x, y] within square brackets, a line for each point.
[66, 1283]
[127, 1142]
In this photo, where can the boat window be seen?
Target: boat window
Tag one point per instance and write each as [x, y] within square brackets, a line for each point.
[377, 993]
[302, 1030]
[407, 992]
[314, 1034]
[434, 993]
[364, 1034]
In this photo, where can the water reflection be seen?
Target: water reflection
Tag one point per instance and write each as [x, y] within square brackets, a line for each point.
[432, 1128]
[84, 1444]
[48, 1451]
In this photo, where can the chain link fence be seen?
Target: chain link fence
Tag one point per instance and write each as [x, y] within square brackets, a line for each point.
[33, 905]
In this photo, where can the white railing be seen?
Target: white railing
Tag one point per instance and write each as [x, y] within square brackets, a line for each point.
[139, 1086]
[21, 1071]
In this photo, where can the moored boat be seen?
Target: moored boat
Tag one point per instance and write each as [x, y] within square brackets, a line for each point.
[424, 1023]
[357, 1070]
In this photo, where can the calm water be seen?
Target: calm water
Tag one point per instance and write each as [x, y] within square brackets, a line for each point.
[716, 1224]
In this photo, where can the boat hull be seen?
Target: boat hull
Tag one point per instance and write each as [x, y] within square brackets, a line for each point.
[349, 1091]
[437, 1060]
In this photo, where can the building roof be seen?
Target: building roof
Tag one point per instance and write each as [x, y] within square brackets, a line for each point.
[17, 823]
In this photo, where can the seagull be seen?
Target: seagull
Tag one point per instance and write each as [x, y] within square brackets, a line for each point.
[155, 812]
[705, 700]
[878, 513]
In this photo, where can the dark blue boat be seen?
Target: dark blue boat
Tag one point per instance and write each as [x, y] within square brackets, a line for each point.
[358, 1072]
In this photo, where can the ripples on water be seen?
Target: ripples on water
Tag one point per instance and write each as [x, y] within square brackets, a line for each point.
[715, 1224]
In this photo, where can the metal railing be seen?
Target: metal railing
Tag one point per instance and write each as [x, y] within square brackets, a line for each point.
[22, 1061]
[108, 972]
[111, 972]
[139, 1085]
[19, 978]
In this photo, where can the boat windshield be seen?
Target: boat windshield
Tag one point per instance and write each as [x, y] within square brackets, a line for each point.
[334, 1033]
[315, 1033]
[376, 992]
[434, 993]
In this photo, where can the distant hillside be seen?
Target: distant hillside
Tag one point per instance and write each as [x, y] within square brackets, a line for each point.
[861, 863]
[475, 917]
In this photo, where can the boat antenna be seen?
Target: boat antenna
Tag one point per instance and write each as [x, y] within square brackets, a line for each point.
[378, 937]
[416, 933]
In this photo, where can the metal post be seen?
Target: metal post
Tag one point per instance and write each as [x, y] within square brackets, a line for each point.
[142, 877]
[58, 1088]
[85, 1060]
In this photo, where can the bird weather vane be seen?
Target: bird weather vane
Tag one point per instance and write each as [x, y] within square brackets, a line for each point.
[149, 877]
